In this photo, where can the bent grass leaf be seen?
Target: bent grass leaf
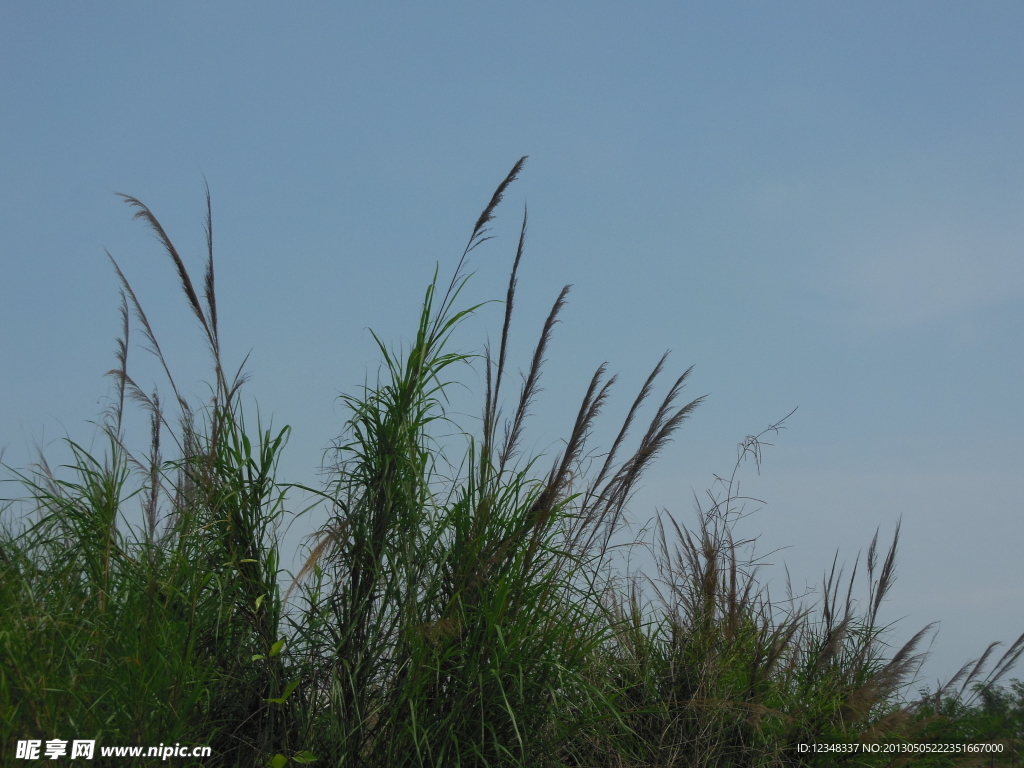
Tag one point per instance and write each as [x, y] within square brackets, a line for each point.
[287, 692]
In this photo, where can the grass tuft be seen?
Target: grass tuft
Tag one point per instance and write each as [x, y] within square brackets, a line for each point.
[459, 605]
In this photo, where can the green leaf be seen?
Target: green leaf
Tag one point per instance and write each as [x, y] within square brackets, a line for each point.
[287, 692]
[276, 647]
[278, 761]
[304, 757]
[259, 601]
[257, 657]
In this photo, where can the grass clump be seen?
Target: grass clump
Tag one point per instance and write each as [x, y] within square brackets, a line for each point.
[459, 605]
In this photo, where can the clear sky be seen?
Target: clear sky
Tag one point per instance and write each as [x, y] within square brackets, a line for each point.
[817, 204]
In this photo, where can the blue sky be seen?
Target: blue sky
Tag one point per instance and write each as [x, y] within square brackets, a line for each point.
[818, 205]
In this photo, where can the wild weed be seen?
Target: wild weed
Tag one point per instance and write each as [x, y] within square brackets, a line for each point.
[459, 606]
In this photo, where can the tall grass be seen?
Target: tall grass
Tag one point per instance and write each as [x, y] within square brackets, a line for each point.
[459, 606]
[136, 633]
